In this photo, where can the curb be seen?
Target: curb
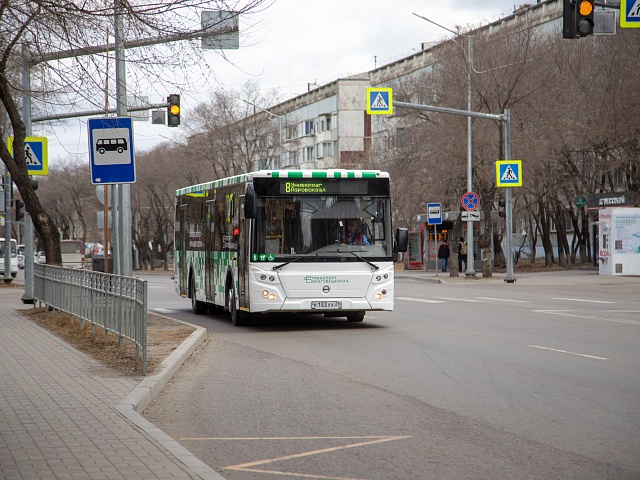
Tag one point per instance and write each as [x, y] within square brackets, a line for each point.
[147, 390]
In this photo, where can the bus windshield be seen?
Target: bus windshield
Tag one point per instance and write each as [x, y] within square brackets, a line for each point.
[322, 226]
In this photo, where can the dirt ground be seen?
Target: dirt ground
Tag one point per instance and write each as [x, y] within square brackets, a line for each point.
[163, 337]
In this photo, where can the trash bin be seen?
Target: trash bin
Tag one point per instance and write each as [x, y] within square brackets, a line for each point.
[98, 263]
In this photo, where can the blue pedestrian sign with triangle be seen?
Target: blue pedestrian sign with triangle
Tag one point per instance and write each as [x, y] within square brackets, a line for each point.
[509, 173]
[630, 13]
[379, 101]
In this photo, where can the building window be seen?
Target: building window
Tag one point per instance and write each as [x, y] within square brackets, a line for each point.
[308, 127]
[327, 150]
[308, 154]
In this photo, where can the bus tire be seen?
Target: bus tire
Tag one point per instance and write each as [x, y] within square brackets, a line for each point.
[356, 316]
[238, 318]
[196, 306]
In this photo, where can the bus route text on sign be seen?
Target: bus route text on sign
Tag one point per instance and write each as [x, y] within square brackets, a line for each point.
[36, 154]
[509, 173]
[380, 101]
[470, 201]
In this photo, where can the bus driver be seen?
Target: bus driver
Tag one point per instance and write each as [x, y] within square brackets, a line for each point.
[353, 233]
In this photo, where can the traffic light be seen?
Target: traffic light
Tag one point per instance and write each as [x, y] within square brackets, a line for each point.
[173, 110]
[19, 210]
[569, 19]
[501, 208]
[584, 18]
[577, 18]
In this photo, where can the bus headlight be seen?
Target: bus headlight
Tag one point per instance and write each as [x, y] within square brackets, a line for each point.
[269, 296]
[380, 294]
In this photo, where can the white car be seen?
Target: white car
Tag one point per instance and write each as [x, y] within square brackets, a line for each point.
[21, 261]
[13, 254]
[41, 257]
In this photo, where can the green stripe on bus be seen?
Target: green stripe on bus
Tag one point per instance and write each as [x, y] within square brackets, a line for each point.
[296, 174]
[318, 174]
[368, 174]
[275, 174]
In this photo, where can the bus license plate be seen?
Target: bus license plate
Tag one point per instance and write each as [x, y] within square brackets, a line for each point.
[326, 304]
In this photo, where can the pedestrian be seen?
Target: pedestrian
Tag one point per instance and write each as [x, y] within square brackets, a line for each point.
[443, 254]
[462, 254]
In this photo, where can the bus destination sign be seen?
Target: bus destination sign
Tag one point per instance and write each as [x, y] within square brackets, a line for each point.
[319, 186]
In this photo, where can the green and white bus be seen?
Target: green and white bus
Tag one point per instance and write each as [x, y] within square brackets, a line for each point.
[278, 241]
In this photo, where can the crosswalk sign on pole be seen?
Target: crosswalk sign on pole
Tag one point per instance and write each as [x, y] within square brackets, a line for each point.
[380, 101]
[509, 173]
[630, 13]
[36, 153]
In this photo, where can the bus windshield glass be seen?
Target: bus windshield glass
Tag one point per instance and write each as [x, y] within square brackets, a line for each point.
[314, 226]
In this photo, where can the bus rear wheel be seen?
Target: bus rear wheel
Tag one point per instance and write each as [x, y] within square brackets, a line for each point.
[238, 318]
[355, 317]
[196, 306]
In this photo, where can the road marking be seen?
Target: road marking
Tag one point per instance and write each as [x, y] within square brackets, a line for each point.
[623, 311]
[163, 310]
[459, 299]
[503, 300]
[247, 467]
[580, 300]
[408, 299]
[590, 317]
[570, 353]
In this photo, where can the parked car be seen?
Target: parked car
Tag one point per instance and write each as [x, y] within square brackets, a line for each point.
[21, 261]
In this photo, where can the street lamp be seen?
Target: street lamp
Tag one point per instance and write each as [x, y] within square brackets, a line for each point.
[470, 272]
[279, 117]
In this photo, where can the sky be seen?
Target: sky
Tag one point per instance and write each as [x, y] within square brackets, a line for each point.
[292, 44]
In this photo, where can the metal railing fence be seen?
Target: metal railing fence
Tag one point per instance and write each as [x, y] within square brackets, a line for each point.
[118, 304]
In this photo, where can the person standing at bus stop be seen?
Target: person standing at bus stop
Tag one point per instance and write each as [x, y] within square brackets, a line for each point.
[462, 254]
[443, 254]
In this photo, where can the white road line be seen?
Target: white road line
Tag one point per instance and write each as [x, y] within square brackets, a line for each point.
[570, 353]
[459, 299]
[423, 300]
[163, 310]
[248, 467]
[590, 317]
[580, 300]
[504, 300]
[623, 311]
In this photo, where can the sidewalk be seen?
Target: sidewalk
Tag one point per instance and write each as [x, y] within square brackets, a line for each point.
[64, 415]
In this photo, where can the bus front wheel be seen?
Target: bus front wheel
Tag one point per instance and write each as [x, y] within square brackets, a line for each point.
[355, 317]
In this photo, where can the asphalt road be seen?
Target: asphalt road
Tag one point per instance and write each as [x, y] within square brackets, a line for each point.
[461, 381]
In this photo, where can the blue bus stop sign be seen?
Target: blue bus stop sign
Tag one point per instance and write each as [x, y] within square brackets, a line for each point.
[111, 150]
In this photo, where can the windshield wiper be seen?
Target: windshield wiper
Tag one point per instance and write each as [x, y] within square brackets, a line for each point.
[276, 267]
[364, 259]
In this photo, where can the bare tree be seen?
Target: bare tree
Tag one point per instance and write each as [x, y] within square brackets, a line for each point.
[43, 28]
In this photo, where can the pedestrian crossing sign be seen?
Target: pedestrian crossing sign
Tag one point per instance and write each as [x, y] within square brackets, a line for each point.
[630, 13]
[36, 154]
[509, 173]
[380, 101]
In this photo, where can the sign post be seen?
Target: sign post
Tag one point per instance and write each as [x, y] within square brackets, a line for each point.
[509, 174]
[434, 216]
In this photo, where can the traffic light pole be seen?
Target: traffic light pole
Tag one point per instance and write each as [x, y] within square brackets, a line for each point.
[505, 118]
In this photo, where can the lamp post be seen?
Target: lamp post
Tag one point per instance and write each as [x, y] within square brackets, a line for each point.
[279, 117]
[470, 272]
